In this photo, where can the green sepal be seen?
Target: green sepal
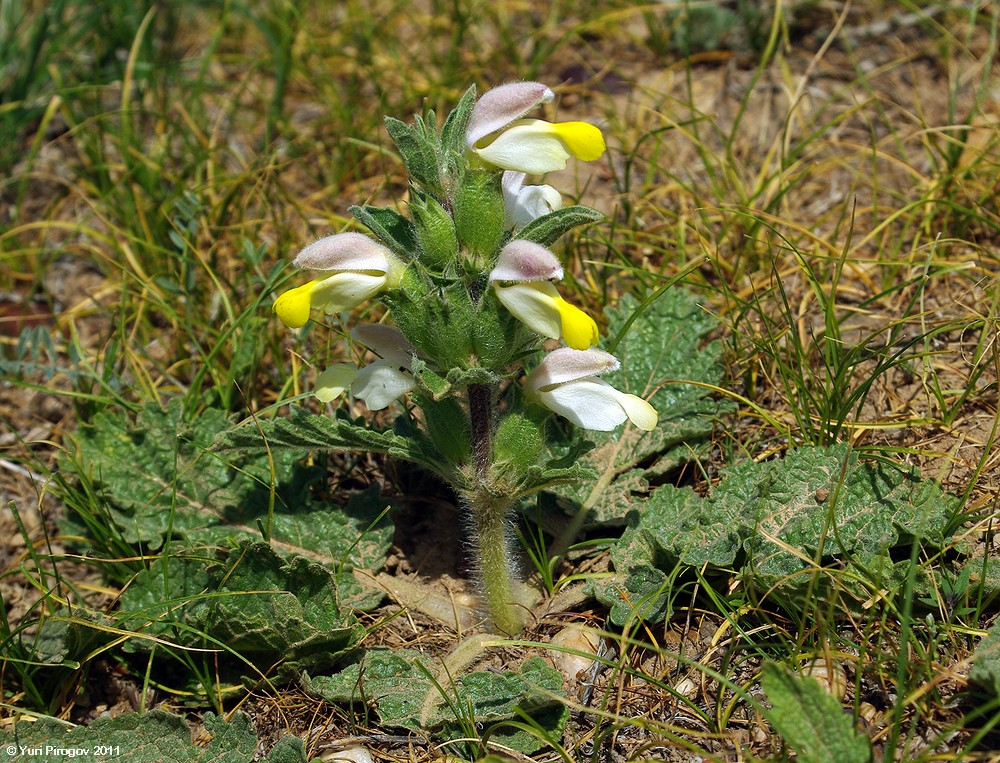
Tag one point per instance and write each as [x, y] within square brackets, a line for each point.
[418, 149]
[547, 229]
[498, 337]
[454, 129]
[479, 215]
[517, 446]
[437, 240]
[390, 227]
[437, 320]
[430, 383]
[544, 477]
[449, 429]
[461, 378]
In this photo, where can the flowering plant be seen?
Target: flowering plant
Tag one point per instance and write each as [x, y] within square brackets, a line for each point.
[470, 284]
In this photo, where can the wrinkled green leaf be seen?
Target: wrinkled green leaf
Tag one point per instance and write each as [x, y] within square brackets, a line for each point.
[68, 637]
[771, 519]
[810, 720]
[662, 352]
[154, 737]
[641, 594]
[158, 480]
[399, 686]
[263, 606]
[155, 477]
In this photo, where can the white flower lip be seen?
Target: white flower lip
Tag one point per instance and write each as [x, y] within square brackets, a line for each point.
[524, 203]
[390, 377]
[332, 383]
[380, 383]
[528, 145]
[500, 106]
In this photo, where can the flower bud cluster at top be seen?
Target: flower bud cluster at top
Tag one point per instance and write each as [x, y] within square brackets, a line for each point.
[468, 277]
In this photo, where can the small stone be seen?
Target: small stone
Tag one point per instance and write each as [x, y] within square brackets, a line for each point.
[352, 754]
[579, 638]
[830, 675]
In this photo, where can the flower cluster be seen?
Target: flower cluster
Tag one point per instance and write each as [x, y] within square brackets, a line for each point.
[472, 258]
[471, 287]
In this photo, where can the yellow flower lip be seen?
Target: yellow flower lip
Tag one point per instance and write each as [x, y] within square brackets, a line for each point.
[294, 306]
[581, 139]
[579, 330]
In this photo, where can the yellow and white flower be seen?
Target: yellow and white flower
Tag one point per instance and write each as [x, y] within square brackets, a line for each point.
[566, 382]
[499, 135]
[358, 267]
[522, 282]
[378, 383]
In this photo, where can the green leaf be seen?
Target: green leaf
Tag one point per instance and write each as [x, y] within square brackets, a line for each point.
[301, 431]
[389, 227]
[263, 606]
[664, 359]
[158, 481]
[400, 686]
[288, 599]
[68, 637]
[547, 229]
[810, 720]
[154, 737]
[454, 129]
[640, 595]
[771, 519]
[985, 671]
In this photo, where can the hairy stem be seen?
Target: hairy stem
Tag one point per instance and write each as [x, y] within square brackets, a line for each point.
[490, 511]
[492, 543]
